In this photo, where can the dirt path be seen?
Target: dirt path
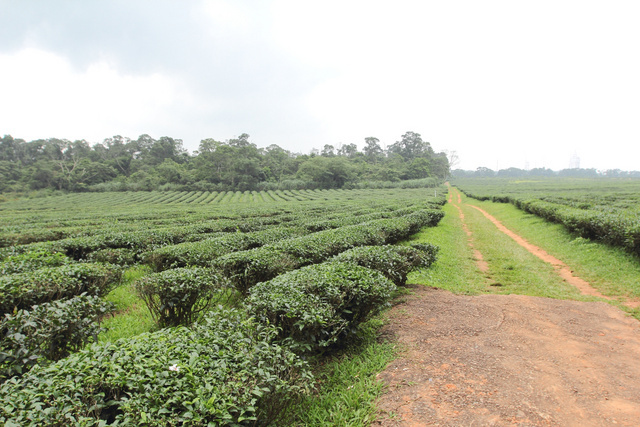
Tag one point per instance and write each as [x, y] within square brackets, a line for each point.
[511, 359]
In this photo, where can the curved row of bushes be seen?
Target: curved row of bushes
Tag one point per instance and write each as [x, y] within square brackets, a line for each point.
[225, 370]
[246, 268]
[233, 367]
[22, 290]
[48, 332]
[203, 252]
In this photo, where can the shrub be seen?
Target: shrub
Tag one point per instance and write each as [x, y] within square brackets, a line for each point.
[223, 371]
[29, 261]
[22, 290]
[204, 252]
[120, 256]
[394, 262]
[246, 268]
[319, 304]
[180, 296]
[48, 332]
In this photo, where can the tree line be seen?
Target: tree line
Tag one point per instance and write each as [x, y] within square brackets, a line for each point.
[145, 163]
[484, 172]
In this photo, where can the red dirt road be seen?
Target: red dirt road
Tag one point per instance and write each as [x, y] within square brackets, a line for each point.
[511, 359]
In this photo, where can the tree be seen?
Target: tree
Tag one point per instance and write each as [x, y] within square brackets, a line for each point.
[484, 172]
[348, 150]
[418, 168]
[372, 149]
[327, 172]
[411, 146]
[328, 151]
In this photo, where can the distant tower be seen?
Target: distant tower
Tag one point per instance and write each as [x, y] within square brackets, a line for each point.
[574, 162]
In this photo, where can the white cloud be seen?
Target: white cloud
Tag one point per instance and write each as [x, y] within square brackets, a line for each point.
[501, 82]
[44, 96]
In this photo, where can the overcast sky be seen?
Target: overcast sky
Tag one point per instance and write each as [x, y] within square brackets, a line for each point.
[503, 83]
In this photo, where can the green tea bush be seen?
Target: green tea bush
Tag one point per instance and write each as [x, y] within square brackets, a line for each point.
[223, 371]
[22, 290]
[29, 261]
[182, 295]
[246, 268]
[120, 256]
[394, 262]
[31, 236]
[203, 252]
[48, 332]
[319, 304]
[615, 228]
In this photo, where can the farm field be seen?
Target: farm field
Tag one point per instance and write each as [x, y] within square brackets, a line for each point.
[256, 258]
[601, 209]
[268, 277]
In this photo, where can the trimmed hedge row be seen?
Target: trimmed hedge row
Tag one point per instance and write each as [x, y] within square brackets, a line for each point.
[226, 370]
[202, 253]
[138, 241]
[246, 268]
[319, 304]
[614, 227]
[29, 261]
[22, 290]
[48, 332]
[394, 262]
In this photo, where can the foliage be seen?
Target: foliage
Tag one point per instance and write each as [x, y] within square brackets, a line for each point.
[204, 252]
[48, 332]
[22, 290]
[180, 296]
[601, 209]
[246, 268]
[394, 262]
[225, 370]
[29, 261]
[319, 304]
[147, 164]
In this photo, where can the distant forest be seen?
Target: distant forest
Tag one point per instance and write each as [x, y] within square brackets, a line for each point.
[121, 164]
[516, 173]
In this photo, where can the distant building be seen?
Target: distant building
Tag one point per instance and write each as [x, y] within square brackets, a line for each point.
[574, 162]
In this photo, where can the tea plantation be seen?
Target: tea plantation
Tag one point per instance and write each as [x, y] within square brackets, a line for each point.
[244, 288]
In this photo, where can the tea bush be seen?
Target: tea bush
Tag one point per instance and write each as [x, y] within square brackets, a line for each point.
[182, 295]
[319, 304]
[223, 371]
[246, 268]
[48, 332]
[394, 262]
[29, 261]
[204, 252]
[22, 290]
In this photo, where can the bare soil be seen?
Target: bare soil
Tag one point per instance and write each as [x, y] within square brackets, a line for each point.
[511, 359]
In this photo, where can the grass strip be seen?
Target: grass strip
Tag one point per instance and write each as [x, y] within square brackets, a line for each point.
[347, 387]
[132, 317]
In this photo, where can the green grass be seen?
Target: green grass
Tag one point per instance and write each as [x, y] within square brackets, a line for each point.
[131, 317]
[513, 269]
[611, 270]
[347, 385]
[455, 270]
